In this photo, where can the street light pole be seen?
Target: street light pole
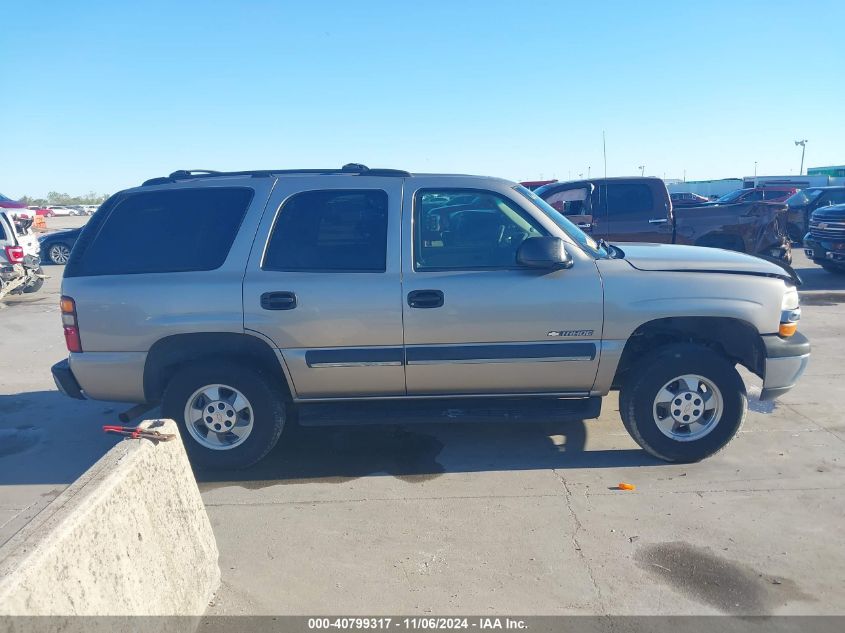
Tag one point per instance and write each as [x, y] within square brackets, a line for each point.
[803, 144]
[642, 170]
[755, 168]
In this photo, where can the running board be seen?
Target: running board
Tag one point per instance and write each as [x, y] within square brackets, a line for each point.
[460, 410]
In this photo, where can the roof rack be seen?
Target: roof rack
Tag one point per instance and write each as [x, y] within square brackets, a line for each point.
[350, 168]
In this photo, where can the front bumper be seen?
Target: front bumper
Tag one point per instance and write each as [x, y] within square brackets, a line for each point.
[827, 251]
[786, 360]
[66, 381]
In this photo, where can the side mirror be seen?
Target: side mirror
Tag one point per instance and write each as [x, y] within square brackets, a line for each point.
[548, 253]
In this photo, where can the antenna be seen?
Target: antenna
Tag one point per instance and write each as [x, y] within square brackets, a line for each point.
[604, 152]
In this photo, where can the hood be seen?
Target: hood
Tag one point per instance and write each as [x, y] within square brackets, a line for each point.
[832, 213]
[673, 257]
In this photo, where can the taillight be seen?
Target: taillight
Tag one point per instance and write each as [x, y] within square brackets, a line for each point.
[14, 254]
[70, 324]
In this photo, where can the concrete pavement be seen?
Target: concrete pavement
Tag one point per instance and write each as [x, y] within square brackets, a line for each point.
[519, 518]
[525, 518]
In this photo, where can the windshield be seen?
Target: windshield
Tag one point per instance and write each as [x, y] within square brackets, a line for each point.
[581, 238]
[733, 196]
[803, 197]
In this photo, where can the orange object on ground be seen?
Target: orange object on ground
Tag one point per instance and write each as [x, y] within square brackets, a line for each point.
[624, 486]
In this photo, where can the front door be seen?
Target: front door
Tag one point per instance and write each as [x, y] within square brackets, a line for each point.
[323, 284]
[476, 322]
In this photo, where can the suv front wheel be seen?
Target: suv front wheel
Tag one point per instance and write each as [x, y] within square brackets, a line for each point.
[683, 402]
[230, 415]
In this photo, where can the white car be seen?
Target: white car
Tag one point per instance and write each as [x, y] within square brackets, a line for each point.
[90, 208]
[62, 210]
[17, 241]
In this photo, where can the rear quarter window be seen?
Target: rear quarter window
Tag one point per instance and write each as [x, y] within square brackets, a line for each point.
[177, 230]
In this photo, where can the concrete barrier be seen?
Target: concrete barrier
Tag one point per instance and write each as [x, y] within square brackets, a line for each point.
[129, 537]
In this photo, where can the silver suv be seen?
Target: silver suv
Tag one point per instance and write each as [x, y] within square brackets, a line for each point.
[234, 299]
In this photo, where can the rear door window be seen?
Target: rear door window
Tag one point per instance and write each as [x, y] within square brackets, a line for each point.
[176, 230]
[330, 231]
[627, 199]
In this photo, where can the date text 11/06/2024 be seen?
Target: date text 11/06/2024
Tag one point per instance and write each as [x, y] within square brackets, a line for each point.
[430, 623]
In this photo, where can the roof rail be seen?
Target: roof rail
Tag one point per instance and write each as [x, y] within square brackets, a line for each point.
[349, 168]
[182, 173]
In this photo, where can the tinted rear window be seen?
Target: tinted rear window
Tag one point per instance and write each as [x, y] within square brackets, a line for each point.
[628, 198]
[340, 231]
[161, 231]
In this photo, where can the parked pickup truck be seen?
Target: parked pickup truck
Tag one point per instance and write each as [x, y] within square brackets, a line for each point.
[278, 291]
[640, 210]
[825, 241]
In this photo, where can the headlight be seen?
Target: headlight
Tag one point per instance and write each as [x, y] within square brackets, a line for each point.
[790, 313]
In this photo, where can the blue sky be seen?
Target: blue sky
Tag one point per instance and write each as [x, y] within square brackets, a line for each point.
[101, 95]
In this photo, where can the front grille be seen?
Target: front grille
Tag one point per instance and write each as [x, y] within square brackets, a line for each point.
[827, 230]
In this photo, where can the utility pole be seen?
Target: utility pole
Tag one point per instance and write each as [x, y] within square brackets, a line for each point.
[755, 168]
[803, 144]
[588, 171]
[642, 170]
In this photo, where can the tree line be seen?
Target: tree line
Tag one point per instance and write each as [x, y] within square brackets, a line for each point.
[56, 198]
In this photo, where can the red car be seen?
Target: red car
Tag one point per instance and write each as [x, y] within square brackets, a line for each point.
[47, 213]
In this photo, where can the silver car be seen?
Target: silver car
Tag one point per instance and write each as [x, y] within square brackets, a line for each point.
[234, 298]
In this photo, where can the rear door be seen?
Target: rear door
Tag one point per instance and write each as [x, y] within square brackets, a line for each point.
[323, 284]
[635, 212]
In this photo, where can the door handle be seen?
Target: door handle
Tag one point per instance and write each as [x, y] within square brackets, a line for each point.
[278, 301]
[659, 221]
[425, 298]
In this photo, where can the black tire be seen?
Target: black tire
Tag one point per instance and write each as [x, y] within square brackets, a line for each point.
[265, 396]
[795, 233]
[35, 286]
[638, 393]
[833, 268]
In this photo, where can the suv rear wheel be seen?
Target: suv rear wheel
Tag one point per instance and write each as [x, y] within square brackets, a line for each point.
[230, 414]
[683, 403]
